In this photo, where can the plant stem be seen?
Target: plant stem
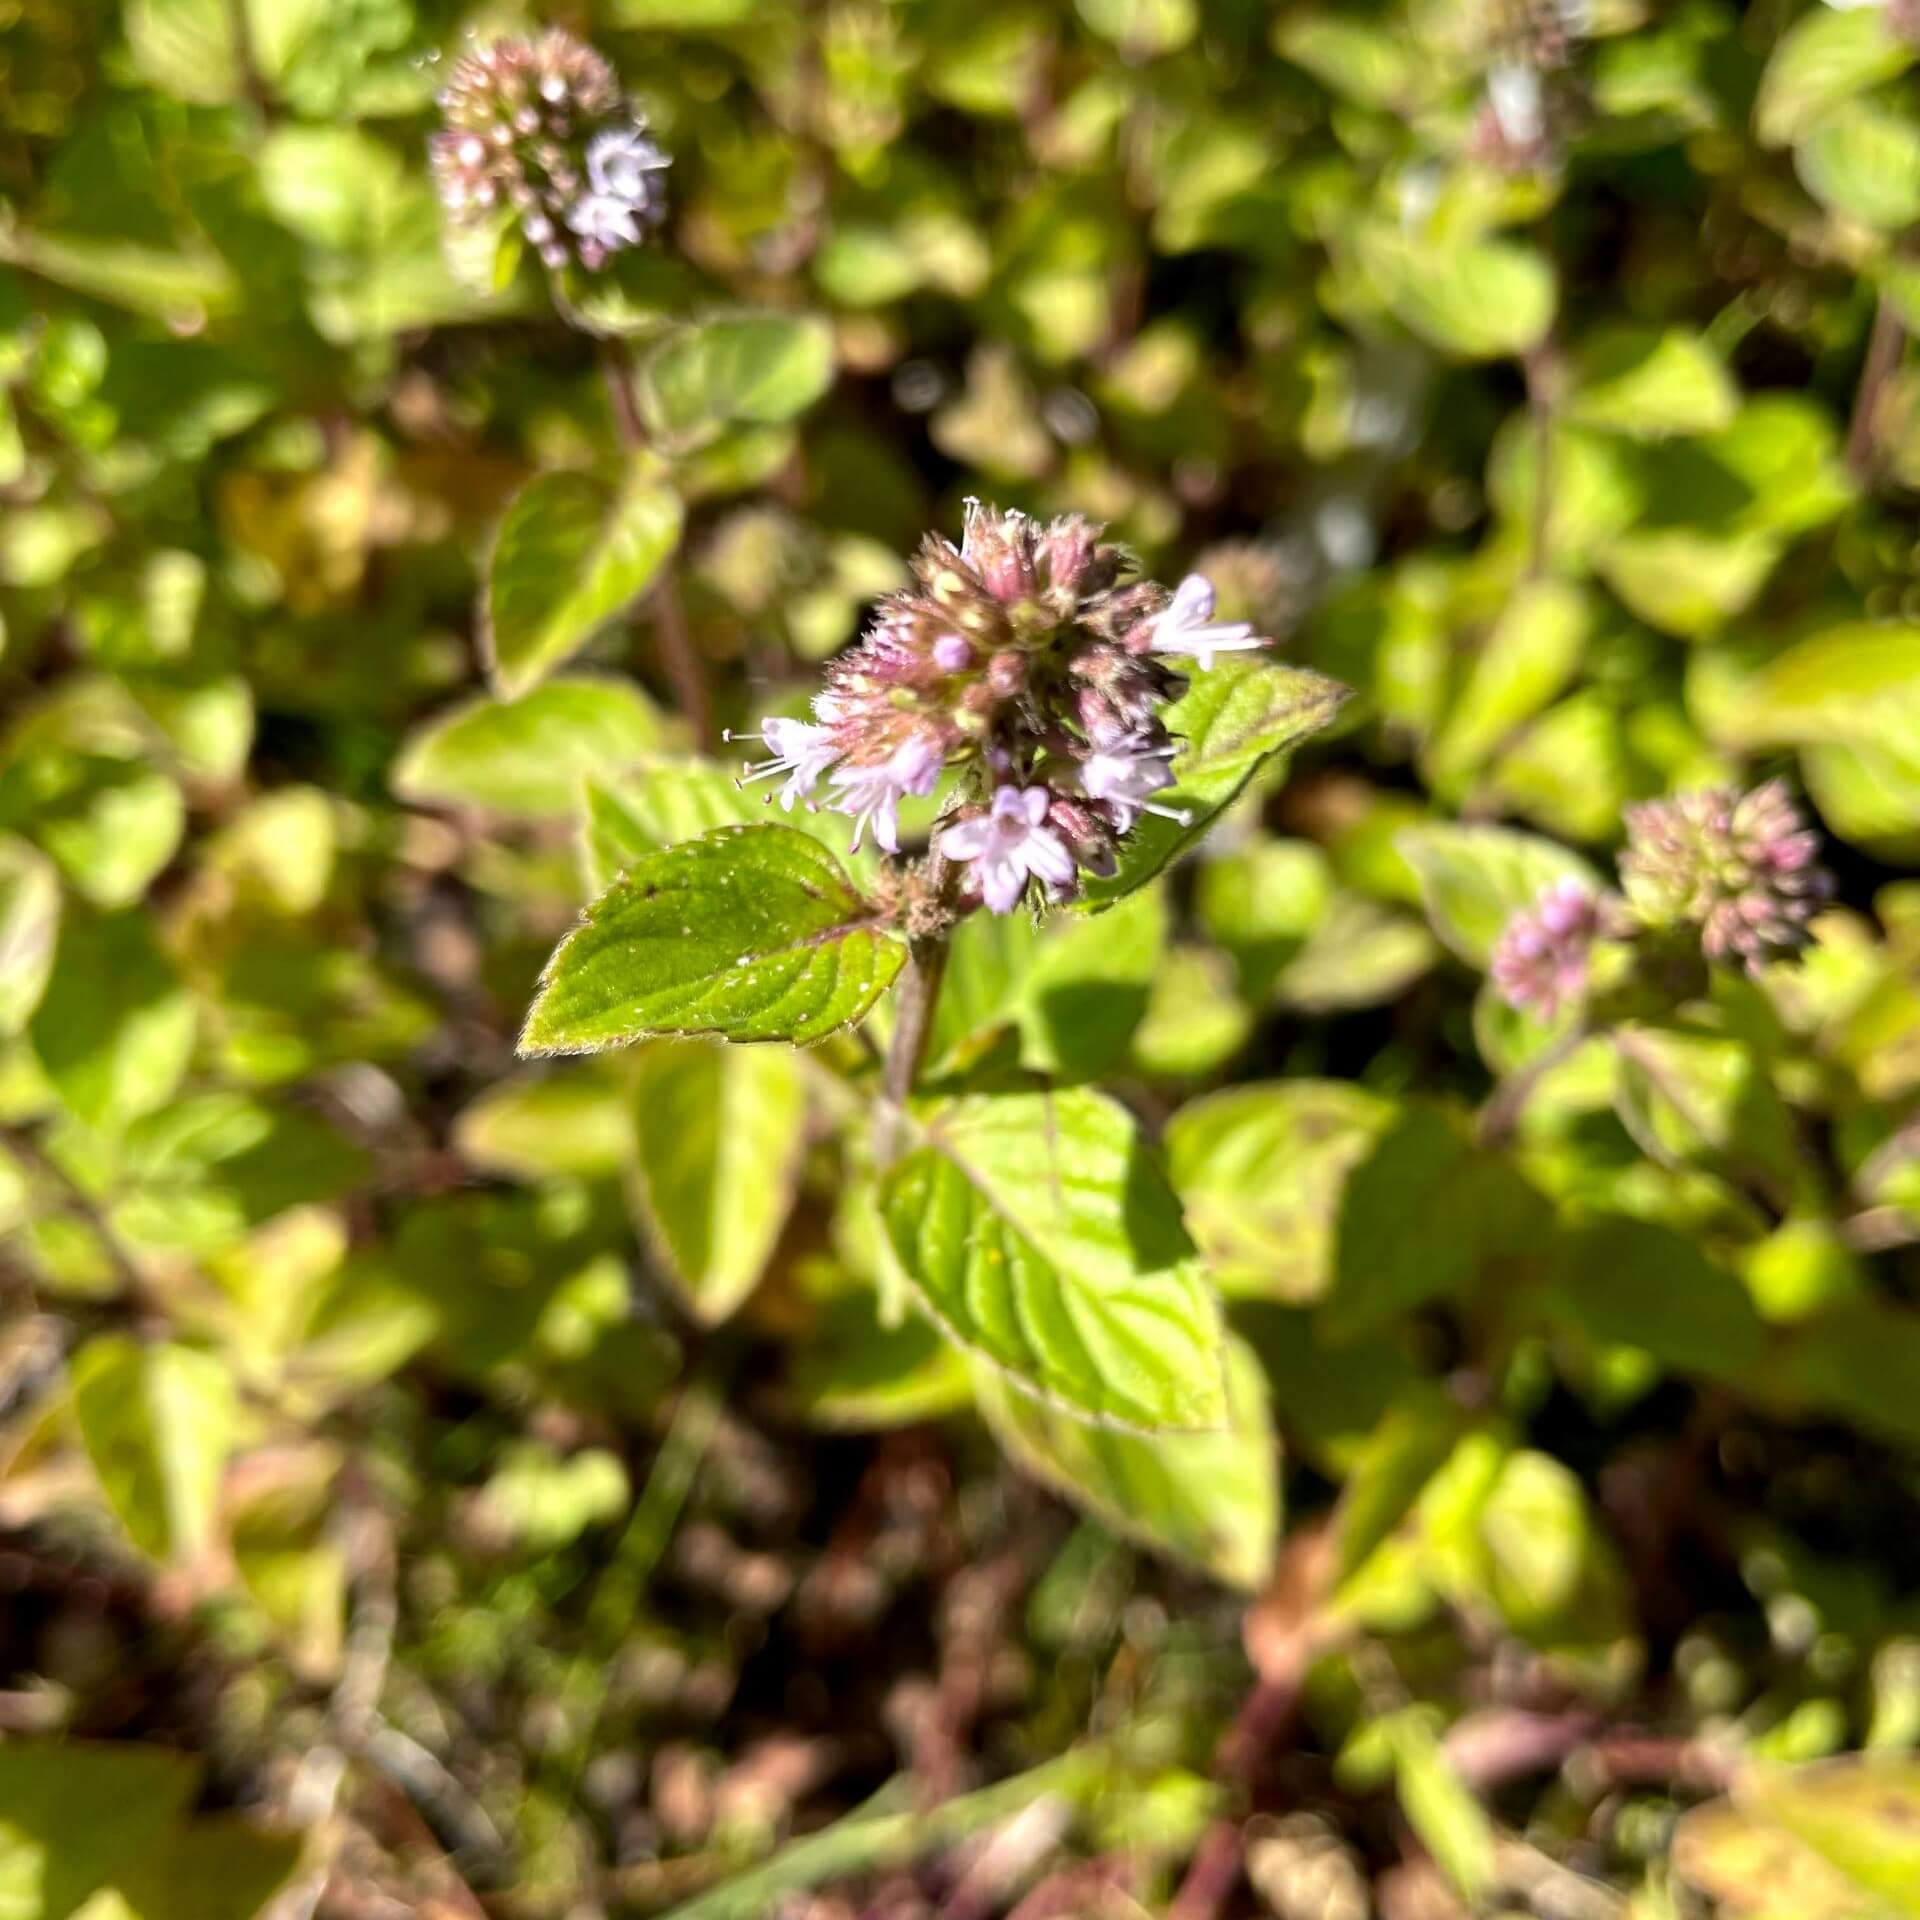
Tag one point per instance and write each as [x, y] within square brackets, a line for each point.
[912, 1024]
[1501, 1114]
[679, 657]
[1540, 368]
[1883, 356]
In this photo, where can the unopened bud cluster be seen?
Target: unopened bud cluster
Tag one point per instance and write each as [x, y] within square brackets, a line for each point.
[1032, 655]
[1737, 873]
[541, 129]
[1740, 869]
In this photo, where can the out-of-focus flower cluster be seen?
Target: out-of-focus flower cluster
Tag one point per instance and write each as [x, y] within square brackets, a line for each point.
[1741, 869]
[1738, 872]
[1528, 101]
[1032, 655]
[541, 128]
[1541, 959]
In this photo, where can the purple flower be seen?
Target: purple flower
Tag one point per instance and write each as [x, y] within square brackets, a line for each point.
[802, 752]
[1186, 625]
[621, 163]
[1540, 960]
[1008, 844]
[872, 793]
[1125, 773]
[604, 221]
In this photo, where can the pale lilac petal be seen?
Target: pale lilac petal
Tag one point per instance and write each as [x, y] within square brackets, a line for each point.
[968, 840]
[1046, 853]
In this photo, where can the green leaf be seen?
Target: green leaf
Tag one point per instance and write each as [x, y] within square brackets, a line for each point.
[1835, 1841]
[1686, 580]
[719, 1133]
[665, 798]
[76, 1814]
[857, 1373]
[1706, 1100]
[157, 1420]
[571, 555]
[1854, 685]
[1260, 1171]
[747, 367]
[529, 755]
[185, 48]
[1474, 879]
[1869, 796]
[223, 1867]
[1480, 299]
[1036, 1230]
[1440, 1808]
[1824, 59]
[1426, 1216]
[1231, 718]
[29, 929]
[1212, 1499]
[750, 933]
[1086, 987]
[573, 1122]
[170, 285]
[1142, 29]
[1856, 1359]
[116, 833]
[1649, 383]
[1863, 160]
[1366, 62]
[542, 1501]
[1195, 1020]
[1533, 650]
[1633, 1283]
[115, 1027]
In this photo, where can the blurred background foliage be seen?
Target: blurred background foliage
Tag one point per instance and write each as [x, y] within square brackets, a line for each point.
[429, 1485]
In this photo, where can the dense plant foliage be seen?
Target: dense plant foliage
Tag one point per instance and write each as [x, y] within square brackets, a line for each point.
[959, 959]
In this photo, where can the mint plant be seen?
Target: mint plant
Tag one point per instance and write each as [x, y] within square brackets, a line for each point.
[1025, 685]
[1200, 1199]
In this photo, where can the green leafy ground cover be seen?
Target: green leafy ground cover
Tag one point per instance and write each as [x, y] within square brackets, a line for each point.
[1268, 1426]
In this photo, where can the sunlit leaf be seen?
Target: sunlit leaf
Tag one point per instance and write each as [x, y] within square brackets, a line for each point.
[157, 1420]
[529, 755]
[751, 933]
[718, 1133]
[570, 555]
[1037, 1231]
[1212, 1499]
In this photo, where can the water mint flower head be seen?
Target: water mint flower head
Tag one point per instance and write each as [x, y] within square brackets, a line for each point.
[1741, 868]
[540, 129]
[1541, 960]
[1031, 661]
